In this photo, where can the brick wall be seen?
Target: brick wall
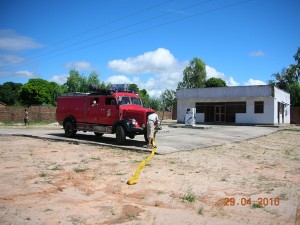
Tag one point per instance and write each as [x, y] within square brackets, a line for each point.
[295, 115]
[41, 113]
[36, 113]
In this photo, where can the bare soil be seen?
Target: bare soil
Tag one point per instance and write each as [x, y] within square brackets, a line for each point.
[46, 182]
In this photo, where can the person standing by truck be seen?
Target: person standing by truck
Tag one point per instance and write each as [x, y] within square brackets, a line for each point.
[152, 123]
[26, 117]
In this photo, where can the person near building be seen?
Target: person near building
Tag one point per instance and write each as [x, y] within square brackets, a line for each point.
[26, 117]
[152, 123]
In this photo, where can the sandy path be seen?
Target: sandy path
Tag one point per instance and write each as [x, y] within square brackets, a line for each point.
[44, 182]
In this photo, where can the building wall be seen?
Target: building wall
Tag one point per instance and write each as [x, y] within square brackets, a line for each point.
[257, 118]
[187, 98]
[282, 97]
[225, 92]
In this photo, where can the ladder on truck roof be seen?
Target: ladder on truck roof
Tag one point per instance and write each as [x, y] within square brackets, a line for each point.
[75, 94]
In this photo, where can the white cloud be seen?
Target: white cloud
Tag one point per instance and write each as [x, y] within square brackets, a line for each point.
[9, 59]
[118, 79]
[59, 79]
[156, 71]
[164, 69]
[258, 53]
[212, 72]
[21, 73]
[149, 62]
[12, 41]
[254, 82]
[80, 65]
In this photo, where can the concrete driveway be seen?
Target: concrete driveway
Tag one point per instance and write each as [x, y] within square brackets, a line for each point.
[168, 140]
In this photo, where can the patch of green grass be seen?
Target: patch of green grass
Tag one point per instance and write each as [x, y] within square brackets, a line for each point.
[43, 174]
[57, 167]
[131, 215]
[248, 156]
[96, 158]
[48, 210]
[135, 161]
[283, 196]
[200, 210]
[189, 196]
[120, 174]
[159, 192]
[31, 123]
[256, 206]
[79, 170]
[223, 179]
[288, 153]
[262, 177]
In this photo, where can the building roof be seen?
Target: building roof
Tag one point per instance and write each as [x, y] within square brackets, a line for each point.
[227, 92]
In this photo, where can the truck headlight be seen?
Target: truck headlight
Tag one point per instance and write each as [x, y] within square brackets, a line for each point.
[134, 122]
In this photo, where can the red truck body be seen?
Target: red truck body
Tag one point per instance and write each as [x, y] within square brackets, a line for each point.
[111, 112]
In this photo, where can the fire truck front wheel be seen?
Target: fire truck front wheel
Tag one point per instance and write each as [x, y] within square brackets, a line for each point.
[69, 129]
[120, 135]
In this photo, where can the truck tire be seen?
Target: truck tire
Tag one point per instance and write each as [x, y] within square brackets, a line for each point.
[120, 135]
[69, 129]
[98, 134]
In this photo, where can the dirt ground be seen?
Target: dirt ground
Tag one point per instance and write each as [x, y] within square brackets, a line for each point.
[47, 182]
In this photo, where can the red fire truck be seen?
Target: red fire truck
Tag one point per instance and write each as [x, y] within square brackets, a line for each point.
[105, 112]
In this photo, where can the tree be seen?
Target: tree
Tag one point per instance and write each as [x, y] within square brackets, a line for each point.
[288, 79]
[215, 82]
[134, 87]
[294, 90]
[9, 93]
[79, 83]
[55, 91]
[75, 82]
[145, 98]
[92, 80]
[154, 103]
[38, 92]
[168, 99]
[194, 75]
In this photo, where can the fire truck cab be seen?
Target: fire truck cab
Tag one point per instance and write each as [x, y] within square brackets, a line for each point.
[107, 111]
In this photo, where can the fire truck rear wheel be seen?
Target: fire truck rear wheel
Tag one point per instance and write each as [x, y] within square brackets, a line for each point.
[120, 135]
[70, 129]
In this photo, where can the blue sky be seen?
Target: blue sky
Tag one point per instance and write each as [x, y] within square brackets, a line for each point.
[147, 42]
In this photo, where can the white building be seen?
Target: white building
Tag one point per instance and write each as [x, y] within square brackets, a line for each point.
[263, 104]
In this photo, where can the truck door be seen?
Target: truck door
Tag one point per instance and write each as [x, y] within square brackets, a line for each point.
[93, 104]
[109, 111]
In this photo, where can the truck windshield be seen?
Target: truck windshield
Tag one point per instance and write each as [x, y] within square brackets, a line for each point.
[136, 101]
[124, 100]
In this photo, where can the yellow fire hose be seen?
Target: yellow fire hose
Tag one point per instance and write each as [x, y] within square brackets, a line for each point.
[134, 178]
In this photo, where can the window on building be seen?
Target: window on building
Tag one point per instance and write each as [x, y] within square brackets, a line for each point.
[200, 107]
[240, 107]
[259, 107]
